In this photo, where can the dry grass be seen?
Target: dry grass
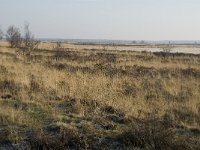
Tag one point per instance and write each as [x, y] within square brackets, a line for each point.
[94, 99]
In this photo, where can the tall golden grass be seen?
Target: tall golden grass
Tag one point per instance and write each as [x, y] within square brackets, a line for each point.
[99, 99]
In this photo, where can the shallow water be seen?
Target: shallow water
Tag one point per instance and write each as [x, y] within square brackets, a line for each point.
[174, 50]
[178, 49]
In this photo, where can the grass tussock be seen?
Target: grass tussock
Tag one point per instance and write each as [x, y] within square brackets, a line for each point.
[98, 99]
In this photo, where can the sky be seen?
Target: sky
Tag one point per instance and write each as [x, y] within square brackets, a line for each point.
[105, 19]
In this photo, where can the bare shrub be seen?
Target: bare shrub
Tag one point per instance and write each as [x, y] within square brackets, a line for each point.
[30, 43]
[1, 34]
[13, 36]
[60, 53]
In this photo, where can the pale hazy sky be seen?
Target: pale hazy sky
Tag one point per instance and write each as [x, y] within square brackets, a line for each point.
[105, 19]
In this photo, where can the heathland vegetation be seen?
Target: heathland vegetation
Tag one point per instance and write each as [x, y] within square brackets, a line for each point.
[56, 97]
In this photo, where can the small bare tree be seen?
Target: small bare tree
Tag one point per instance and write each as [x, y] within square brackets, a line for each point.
[13, 36]
[29, 41]
[1, 34]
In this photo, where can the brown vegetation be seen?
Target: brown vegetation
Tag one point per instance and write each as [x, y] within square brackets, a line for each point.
[64, 98]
